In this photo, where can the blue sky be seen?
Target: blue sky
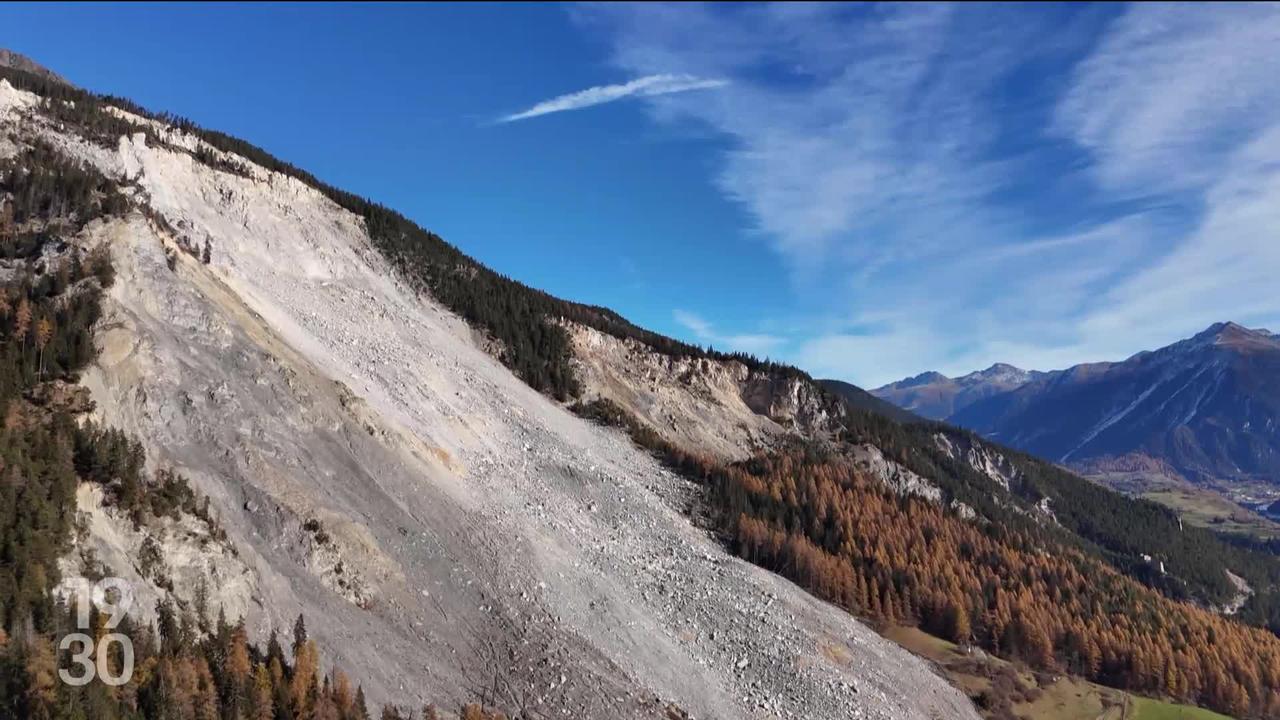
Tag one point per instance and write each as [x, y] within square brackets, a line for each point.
[865, 191]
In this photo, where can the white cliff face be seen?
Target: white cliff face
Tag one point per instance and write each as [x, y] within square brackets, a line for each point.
[695, 403]
[379, 472]
[981, 458]
[795, 404]
[14, 101]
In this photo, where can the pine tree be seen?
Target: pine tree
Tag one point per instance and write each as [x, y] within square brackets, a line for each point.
[279, 690]
[342, 696]
[958, 621]
[299, 634]
[323, 705]
[239, 668]
[6, 221]
[205, 698]
[306, 664]
[360, 710]
[274, 650]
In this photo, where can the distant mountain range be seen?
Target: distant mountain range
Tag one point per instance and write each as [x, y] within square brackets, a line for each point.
[937, 396]
[1206, 406]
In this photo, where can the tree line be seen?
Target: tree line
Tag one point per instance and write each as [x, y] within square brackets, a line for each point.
[908, 561]
[188, 669]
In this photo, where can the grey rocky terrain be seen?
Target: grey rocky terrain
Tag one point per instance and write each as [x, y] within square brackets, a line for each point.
[441, 525]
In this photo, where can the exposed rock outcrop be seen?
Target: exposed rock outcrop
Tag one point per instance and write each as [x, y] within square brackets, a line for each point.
[181, 559]
[717, 406]
[872, 461]
[18, 61]
[980, 457]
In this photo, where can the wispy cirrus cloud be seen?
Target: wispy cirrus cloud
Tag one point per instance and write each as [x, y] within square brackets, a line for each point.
[1171, 91]
[647, 86]
[1184, 108]
[952, 186]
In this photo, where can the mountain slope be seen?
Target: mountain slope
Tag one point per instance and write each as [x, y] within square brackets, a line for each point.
[1207, 406]
[384, 472]
[938, 397]
[863, 400]
[380, 472]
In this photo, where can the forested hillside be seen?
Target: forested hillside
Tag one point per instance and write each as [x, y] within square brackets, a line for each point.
[909, 562]
[860, 399]
[520, 319]
[1117, 528]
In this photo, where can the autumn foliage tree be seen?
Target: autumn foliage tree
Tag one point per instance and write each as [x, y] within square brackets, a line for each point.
[44, 331]
[816, 519]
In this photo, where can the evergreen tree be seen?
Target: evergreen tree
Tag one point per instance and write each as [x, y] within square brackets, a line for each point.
[299, 634]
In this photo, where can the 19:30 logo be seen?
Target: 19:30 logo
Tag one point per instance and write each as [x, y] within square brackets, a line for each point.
[112, 596]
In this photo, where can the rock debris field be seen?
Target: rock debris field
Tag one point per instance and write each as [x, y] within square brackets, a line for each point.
[445, 529]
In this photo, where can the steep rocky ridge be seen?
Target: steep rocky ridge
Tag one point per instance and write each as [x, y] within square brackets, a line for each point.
[872, 461]
[693, 402]
[376, 469]
[268, 305]
[980, 457]
[704, 404]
